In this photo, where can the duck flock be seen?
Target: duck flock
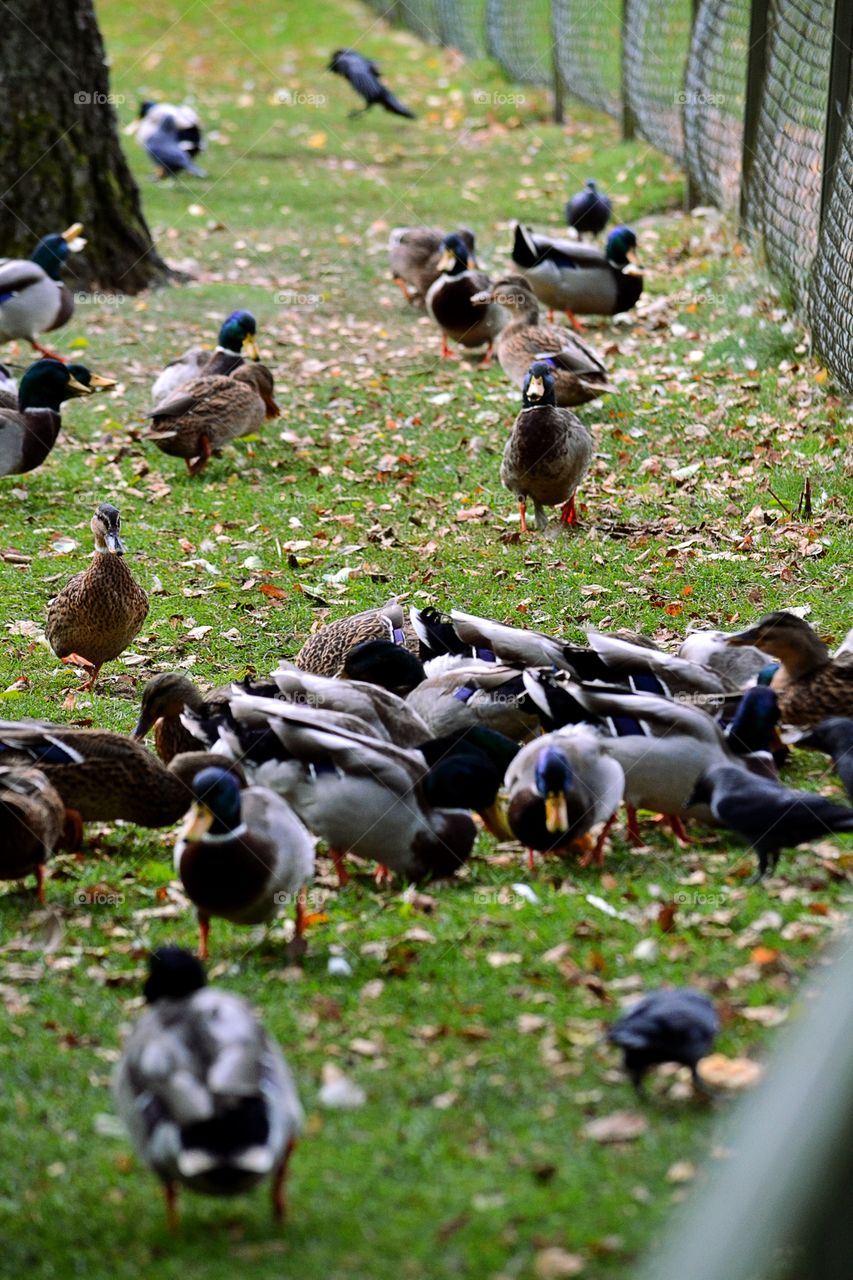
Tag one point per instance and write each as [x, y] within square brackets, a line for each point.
[391, 737]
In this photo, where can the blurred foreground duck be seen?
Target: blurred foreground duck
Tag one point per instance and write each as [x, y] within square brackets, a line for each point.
[205, 1093]
[29, 427]
[835, 737]
[680, 1025]
[588, 212]
[548, 453]
[210, 412]
[99, 611]
[450, 300]
[580, 279]
[32, 818]
[236, 335]
[811, 684]
[33, 298]
[414, 254]
[577, 372]
[365, 78]
[241, 854]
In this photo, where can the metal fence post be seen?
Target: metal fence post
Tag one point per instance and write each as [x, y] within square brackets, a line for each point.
[692, 195]
[629, 120]
[839, 94]
[756, 69]
[559, 92]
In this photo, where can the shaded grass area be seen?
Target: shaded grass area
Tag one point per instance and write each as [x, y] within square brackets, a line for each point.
[483, 1057]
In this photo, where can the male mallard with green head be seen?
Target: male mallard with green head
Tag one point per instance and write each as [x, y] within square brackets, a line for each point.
[449, 300]
[33, 299]
[28, 432]
[580, 279]
[236, 336]
[101, 610]
[414, 256]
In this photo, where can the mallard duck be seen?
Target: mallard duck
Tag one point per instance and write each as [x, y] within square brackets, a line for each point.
[241, 854]
[386, 664]
[205, 1094]
[8, 389]
[387, 715]
[100, 610]
[770, 816]
[548, 453]
[33, 299]
[449, 300]
[810, 684]
[79, 372]
[834, 735]
[666, 1026]
[32, 818]
[356, 792]
[468, 692]
[166, 696]
[237, 333]
[579, 278]
[414, 255]
[560, 787]
[325, 652]
[28, 430]
[103, 776]
[578, 373]
[211, 411]
[736, 666]
[588, 212]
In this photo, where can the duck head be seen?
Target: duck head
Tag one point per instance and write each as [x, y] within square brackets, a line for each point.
[106, 525]
[48, 382]
[620, 247]
[164, 695]
[216, 807]
[238, 332]
[173, 974]
[455, 256]
[554, 779]
[381, 662]
[539, 386]
[51, 251]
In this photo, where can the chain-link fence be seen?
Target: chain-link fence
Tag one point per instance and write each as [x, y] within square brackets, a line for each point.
[738, 91]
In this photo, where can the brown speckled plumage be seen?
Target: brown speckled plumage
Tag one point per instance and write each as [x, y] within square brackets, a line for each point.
[209, 412]
[810, 684]
[164, 698]
[99, 611]
[325, 651]
[546, 457]
[31, 821]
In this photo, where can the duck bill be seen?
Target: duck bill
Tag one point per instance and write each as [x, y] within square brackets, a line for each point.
[536, 390]
[200, 822]
[496, 819]
[79, 387]
[73, 238]
[740, 638]
[142, 726]
[446, 262]
[95, 380]
[472, 263]
[250, 345]
[556, 813]
[115, 546]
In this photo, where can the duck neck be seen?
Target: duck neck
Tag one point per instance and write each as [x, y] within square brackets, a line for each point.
[804, 658]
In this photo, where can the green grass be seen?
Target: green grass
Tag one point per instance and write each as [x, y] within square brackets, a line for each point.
[300, 201]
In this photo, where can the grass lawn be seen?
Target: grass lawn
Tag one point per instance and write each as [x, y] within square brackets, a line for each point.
[480, 1053]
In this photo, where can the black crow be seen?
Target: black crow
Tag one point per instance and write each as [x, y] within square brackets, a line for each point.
[834, 736]
[364, 76]
[167, 153]
[589, 211]
[666, 1026]
[771, 817]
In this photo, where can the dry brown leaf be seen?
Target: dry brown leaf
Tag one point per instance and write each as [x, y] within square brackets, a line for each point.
[619, 1126]
[729, 1073]
[555, 1263]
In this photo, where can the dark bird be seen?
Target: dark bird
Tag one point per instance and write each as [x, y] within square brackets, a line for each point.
[364, 76]
[205, 1093]
[771, 817]
[164, 148]
[834, 736]
[385, 663]
[187, 122]
[666, 1026]
[589, 211]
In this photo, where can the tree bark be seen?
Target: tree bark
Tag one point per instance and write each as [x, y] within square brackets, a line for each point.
[60, 156]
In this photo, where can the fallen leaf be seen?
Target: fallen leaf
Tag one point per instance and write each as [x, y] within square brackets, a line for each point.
[619, 1126]
[555, 1263]
[729, 1073]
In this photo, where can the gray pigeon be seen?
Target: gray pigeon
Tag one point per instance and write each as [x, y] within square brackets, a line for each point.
[164, 148]
[835, 737]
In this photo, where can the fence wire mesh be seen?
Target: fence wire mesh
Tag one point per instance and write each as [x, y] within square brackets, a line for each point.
[784, 187]
[714, 100]
[588, 46]
[519, 38]
[831, 303]
[657, 42]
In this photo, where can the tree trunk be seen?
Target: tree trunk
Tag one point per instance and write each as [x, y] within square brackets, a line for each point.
[60, 156]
